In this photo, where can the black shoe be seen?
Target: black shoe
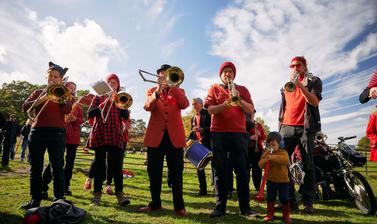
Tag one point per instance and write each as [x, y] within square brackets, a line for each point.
[67, 192]
[250, 213]
[31, 204]
[202, 193]
[216, 213]
[230, 194]
[44, 195]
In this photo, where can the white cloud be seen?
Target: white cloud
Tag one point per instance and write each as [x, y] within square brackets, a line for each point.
[168, 50]
[262, 36]
[3, 54]
[83, 47]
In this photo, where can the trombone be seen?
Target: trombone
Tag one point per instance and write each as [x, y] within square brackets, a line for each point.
[174, 76]
[56, 93]
[122, 100]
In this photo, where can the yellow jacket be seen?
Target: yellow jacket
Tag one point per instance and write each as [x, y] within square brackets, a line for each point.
[279, 162]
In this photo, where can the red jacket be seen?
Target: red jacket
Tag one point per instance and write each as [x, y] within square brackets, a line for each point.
[109, 133]
[165, 114]
[371, 131]
[73, 128]
[261, 137]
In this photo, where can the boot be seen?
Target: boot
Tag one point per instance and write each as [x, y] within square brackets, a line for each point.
[285, 210]
[96, 199]
[122, 199]
[270, 211]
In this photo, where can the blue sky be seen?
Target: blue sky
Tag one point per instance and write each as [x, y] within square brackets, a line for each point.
[95, 38]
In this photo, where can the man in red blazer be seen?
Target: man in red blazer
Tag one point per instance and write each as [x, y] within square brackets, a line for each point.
[165, 135]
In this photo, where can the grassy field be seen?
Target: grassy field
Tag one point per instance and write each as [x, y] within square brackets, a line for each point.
[14, 185]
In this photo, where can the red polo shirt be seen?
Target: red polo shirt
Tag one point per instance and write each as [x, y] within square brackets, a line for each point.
[231, 119]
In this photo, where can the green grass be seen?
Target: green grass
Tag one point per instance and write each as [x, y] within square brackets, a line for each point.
[14, 184]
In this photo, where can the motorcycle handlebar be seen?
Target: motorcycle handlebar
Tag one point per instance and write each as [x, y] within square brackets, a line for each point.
[346, 138]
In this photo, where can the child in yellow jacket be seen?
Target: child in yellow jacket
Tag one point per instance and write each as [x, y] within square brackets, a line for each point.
[277, 179]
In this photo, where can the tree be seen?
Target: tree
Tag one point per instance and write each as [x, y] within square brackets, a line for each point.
[13, 96]
[363, 143]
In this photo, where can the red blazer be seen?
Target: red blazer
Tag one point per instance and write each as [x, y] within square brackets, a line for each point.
[372, 130]
[165, 114]
[73, 128]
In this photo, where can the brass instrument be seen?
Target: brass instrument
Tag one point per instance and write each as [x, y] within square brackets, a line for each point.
[56, 93]
[174, 76]
[291, 85]
[235, 99]
[122, 100]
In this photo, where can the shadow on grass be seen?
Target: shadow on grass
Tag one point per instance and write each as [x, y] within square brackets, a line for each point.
[10, 218]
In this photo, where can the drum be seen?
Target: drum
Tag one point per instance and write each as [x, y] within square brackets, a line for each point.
[197, 154]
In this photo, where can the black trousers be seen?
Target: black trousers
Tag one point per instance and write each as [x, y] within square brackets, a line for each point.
[52, 139]
[234, 145]
[294, 136]
[6, 153]
[115, 163]
[174, 158]
[70, 156]
[202, 175]
[256, 171]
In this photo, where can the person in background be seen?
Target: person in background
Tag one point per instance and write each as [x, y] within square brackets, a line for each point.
[25, 131]
[200, 126]
[257, 137]
[11, 130]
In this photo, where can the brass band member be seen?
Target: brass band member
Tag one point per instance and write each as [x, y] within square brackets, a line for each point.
[228, 137]
[257, 137]
[73, 120]
[200, 130]
[165, 135]
[47, 132]
[107, 137]
[299, 121]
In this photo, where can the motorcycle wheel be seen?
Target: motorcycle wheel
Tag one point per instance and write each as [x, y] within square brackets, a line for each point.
[361, 192]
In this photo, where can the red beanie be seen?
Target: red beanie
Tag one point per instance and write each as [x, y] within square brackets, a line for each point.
[228, 64]
[300, 59]
[115, 77]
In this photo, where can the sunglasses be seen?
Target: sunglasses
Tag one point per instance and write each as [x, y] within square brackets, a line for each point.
[296, 65]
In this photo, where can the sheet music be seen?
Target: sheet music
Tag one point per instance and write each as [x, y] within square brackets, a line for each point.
[101, 88]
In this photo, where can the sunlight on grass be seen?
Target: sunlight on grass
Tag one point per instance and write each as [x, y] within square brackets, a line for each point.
[14, 182]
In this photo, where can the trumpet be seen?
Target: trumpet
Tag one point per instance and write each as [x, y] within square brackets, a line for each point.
[122, 101]
[291, 85]
[235, 99]
[56, 93]
[174, 76]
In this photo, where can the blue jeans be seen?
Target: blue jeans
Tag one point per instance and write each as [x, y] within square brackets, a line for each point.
[23, 147]
[281, 188]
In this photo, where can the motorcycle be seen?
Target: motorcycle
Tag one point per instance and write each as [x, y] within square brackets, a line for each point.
[335, 176]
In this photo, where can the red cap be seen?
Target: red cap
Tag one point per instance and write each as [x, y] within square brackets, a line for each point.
[228, 64]
[300, 59]
[115, 77]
